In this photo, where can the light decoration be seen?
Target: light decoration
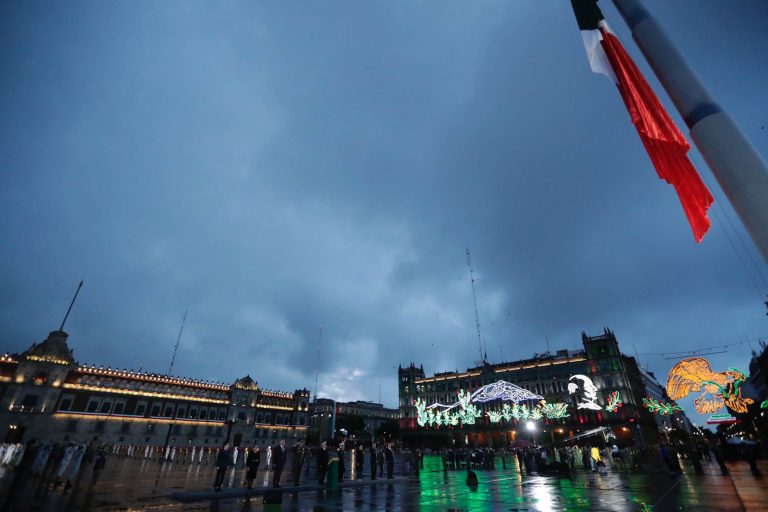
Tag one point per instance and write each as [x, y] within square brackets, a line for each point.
[466, 412]
[614, 402]
[503, 390]
[554, 411]
[427, 415]
[590, 392]
[494, 416]
[654, 405]
[764, 405]
[48, 359]
[717, 419]
[717, 389]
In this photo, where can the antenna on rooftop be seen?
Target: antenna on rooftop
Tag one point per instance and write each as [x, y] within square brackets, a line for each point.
[317, 365]
[61, 328]
[178, 340]
[474, 299]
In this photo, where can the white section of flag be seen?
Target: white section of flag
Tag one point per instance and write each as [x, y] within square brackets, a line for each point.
[598, 60]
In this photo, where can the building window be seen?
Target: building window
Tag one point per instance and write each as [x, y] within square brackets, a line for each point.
[222, 414]
[119, 407]
[66, 404]
[168, 411]
[180, 412]
[203, 414]
[193, 413]
[241, 416]
[141, 408]
[155, 410]
[301, 421]
[106, 406]
[93, 405]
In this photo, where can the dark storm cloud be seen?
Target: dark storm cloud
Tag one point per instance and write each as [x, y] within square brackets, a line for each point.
[273, 167]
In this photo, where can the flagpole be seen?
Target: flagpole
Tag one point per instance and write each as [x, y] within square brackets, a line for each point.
[737, 166]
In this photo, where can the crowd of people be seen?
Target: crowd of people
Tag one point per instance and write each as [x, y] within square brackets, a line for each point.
[61, 464]
[277, 458]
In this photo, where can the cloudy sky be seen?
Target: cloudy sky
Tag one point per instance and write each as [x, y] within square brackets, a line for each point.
[276, 166]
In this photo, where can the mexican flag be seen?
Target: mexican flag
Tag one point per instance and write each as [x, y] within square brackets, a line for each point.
[664, 143]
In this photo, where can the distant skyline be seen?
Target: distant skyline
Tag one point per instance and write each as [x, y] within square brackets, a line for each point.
[274, 167]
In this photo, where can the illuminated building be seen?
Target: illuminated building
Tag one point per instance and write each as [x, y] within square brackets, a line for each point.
[326, 415]
[579, 381]
[46, 395]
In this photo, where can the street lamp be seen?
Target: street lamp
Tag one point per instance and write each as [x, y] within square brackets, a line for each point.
[531, 426]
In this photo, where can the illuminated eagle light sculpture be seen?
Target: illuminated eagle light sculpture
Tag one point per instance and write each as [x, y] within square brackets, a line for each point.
[694, 375]
[503, 390]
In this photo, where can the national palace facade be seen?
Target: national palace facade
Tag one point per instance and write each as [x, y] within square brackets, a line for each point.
[548, 375]
[46, 395]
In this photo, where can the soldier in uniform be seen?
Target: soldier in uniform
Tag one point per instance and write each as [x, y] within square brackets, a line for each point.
[297, 461]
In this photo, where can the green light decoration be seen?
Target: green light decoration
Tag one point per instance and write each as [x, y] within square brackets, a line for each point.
[660, 407]
[764, 405]
[494, 416]
[466, 413]
[614, 402]
[554, 411]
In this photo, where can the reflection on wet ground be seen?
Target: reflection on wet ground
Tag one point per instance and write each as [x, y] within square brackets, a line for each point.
[129, 484]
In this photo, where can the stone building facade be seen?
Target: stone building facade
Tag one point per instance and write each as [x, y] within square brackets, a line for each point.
[324, 414]
[547, 375]
[46, 395]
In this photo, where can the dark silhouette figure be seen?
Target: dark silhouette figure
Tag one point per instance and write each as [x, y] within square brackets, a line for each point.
[279, 458]
[322, 463]
[389, 454]
[223, 461]
[252, 463]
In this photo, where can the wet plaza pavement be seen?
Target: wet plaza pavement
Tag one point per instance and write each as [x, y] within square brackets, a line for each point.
[129, 484]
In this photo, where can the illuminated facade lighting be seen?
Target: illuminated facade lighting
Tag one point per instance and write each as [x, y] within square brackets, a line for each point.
[717, 389]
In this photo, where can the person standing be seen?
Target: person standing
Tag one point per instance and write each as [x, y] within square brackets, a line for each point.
[252, 463]
[322, 463]
[372, 456]
[297, 461]
[380, 460]
[342, 456]
[594, 457]
[223, 461]
[98, 466]
[279, 457]
[359, 460]
[389, 454]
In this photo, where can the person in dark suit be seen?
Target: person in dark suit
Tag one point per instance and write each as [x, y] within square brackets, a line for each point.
[389, 454]
[223, 461]
[359, 460]
[322, 463]
[252, 463]
[342, 456]
[380, 459]
[372, 456]
[297, 461]
[279, 458]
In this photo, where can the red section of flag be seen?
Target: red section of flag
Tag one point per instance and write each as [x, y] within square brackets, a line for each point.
[662, 140]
